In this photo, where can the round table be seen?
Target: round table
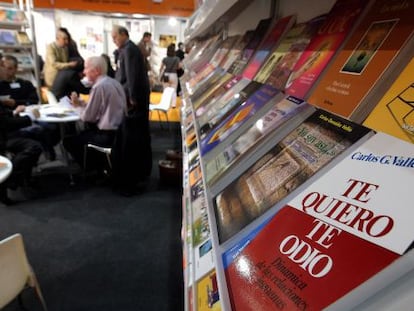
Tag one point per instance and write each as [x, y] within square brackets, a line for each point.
[6, 168]
[60, 113]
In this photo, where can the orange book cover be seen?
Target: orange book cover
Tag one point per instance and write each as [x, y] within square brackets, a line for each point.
[371, 53]
[394, 114]
[323, 46]
[195, 175]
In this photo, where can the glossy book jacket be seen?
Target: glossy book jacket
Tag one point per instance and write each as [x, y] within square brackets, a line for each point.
[297, 262]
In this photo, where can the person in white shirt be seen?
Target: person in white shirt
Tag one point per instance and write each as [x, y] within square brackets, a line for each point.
[102, 114]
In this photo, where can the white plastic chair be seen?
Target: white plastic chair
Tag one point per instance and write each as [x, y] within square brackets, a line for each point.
[15, 271]
[105, 150]
[167, 98]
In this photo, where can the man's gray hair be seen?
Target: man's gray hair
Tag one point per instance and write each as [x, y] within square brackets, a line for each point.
[99, 63]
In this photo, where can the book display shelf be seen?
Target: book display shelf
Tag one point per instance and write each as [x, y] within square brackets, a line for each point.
[15, 40]
[294, 200]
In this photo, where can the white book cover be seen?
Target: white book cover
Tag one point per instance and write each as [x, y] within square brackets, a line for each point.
[368, 194]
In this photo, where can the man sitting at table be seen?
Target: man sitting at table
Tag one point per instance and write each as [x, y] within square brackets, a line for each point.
[25, 151]
[102, 114]
[15, 92]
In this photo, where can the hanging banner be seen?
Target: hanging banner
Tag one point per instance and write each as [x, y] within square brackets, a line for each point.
[183, 8]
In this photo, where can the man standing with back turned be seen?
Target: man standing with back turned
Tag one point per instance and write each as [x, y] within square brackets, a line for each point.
[131, 71]
[132, 153]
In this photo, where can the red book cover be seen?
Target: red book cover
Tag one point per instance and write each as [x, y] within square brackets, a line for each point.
[297, 262]
[323, 46]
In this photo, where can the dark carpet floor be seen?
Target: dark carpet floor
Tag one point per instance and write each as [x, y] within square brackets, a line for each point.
[93, 249]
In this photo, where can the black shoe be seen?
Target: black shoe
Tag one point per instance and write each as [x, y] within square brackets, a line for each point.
[7, 201]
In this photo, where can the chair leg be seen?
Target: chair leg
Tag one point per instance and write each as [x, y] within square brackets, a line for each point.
[108, 158]
[159, 119]
[168, 121]
[39, 294]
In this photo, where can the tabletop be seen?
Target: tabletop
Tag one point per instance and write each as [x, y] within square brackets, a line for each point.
[56, 113]
[6, 168]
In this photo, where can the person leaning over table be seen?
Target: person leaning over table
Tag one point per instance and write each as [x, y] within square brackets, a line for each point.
[68, 81]
[102, 114]
[22, 92]
[57, 57]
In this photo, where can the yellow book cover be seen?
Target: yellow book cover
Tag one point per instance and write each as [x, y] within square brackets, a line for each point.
[394, 113]
[367, 61]
[208, 298]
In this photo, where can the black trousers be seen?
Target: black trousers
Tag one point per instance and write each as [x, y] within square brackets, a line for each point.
[47, 134]
[75, 145]
[25, 154]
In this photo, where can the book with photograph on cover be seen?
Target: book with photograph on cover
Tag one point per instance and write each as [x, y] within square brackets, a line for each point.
[394, 113]
[205, 84]
[288, 51]
[282, 111]
[314, 143]
[379, 48]
[202, 247]
[236, 50]
[272, 40]
[226, 104]
[259, 33]
[338, 23]
[298, 262]
[200, 61]
[199, 48]
[209, 86]
[207, 101]
[223, 50]
[240, 116]
[199, 223]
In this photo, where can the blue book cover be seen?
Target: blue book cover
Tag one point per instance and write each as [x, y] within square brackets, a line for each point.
[238, 117]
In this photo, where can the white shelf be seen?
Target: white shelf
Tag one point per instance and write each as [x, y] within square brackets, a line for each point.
[211, 14]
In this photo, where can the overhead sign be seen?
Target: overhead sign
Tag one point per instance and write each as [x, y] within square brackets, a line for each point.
[182, 8]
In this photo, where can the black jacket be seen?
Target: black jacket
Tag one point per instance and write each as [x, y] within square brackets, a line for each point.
[133, 76]
[22, 91]
[10, 123]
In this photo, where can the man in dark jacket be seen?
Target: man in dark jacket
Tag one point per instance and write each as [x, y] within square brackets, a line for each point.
[131, 71]
[25, 151]
[21, 92]
[132, 155]
[15, 91]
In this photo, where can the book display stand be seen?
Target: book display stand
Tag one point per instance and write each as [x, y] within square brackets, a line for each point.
[16, 38]
[287, 204]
